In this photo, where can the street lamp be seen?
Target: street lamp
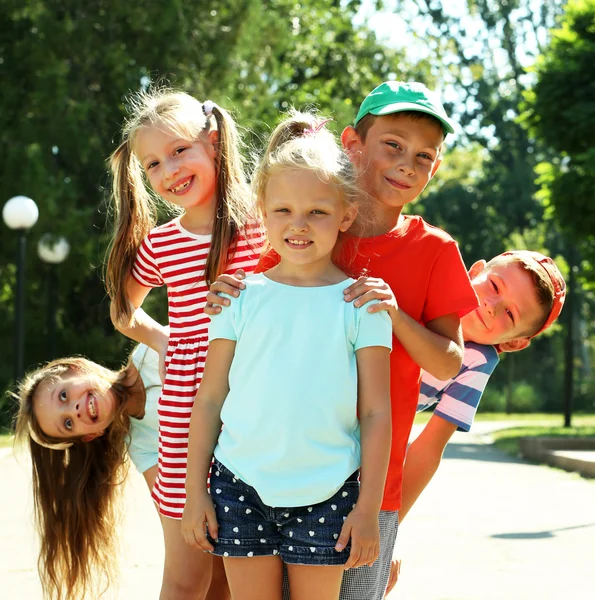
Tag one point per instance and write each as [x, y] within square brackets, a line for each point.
[53, 251]
[20, 213]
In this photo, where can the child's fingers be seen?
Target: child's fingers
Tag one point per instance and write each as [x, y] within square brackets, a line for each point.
[240, 274]
[355, 555]
[395, 568]
[344, 536]
[202, 542]
[379, 307]
[373, 294]
[373, 553]
[212, 525]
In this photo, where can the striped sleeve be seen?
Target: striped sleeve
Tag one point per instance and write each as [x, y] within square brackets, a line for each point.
[457, 399]
[146, 270]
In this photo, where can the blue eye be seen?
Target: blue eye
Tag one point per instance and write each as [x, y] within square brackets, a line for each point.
[63, 396]
[68, 424]
[425, 156]
[318, 212]
[394, 145]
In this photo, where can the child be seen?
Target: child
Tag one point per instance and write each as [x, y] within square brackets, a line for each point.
[521, 294]
[290, 368]
[395, 145]
[188, 153]
[76, 515]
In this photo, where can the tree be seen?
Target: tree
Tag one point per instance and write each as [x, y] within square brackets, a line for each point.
[561, 111]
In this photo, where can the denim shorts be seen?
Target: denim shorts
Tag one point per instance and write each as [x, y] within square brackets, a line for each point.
[304, 535]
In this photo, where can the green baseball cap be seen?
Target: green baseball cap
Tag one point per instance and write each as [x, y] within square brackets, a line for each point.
[398, 96]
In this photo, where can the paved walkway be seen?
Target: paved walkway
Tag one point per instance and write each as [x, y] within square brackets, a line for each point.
[488, 528]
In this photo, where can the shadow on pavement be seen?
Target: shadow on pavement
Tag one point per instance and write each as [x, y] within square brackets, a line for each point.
[537, 535]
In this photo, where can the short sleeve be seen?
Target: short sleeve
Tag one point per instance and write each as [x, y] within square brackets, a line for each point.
[145, 269]
[373, 329]
[449, 290]
[459, 400]
[222, 325]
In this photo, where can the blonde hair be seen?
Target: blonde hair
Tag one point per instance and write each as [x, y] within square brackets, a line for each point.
[135, 207]
[75, 488]
[302, 142]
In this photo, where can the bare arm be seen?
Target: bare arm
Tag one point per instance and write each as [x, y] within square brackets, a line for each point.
[437, 348]
[205, 425]
[374, 410]
[142, 328]
[423, 459]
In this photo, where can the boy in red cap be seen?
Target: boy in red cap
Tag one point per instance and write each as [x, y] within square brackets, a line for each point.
[395, 144]
[521, 293]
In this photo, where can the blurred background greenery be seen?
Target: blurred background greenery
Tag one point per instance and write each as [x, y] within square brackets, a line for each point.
[516, 74]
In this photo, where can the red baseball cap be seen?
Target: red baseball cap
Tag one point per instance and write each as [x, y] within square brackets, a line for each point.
[554, 275]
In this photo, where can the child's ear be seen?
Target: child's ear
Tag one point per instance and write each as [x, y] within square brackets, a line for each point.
[352, 143]
[348, 218]
[515, 345]
[213, 145]
[477, 268]
[91, 436]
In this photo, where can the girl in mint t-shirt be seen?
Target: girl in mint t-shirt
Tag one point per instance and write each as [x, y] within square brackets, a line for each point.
[300, 380]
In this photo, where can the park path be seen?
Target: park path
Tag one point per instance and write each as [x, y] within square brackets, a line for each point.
[489, 527]
[492, 527]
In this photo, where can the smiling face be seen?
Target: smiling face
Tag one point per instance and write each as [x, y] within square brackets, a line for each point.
[74, 405]
[397, 159]
[182, 172]
[303, 216]
[509, 311]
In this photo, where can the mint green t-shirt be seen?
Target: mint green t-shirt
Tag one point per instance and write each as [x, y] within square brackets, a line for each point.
[290, 426]
[144, 433]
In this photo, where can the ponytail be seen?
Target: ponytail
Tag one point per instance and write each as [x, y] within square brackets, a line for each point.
[134, 216]
[233, 196]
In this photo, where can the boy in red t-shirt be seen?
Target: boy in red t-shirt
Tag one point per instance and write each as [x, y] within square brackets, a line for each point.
[396, 144]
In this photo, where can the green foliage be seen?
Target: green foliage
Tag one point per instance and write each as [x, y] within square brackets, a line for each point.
[560, 110]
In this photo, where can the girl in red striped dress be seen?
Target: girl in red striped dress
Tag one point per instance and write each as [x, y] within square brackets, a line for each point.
[188, 152]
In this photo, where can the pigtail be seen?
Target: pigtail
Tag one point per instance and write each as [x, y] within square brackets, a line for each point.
[233, 197]
[134, 216]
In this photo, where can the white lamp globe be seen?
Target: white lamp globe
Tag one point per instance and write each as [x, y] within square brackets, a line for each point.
[52, 250]
[20, 212]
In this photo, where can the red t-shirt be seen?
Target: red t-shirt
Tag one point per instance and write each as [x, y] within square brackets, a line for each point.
[425, 271]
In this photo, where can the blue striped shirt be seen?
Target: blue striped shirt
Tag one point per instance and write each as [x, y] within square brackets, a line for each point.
[458, 398]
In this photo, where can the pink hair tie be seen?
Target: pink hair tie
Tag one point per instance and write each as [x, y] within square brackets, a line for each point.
[314, 129]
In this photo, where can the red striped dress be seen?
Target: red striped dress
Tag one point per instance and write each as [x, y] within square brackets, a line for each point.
[174, 257]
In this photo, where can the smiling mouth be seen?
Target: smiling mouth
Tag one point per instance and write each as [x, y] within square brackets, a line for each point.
[181, 186]
[397, 184]
[298, 243]
[92, 409]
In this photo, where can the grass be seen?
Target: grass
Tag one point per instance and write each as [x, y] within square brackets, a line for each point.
[545, 419]
[508, 439]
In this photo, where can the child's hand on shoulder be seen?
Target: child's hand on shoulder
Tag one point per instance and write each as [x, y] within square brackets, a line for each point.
[362, 527]
[224, 284]
[198, 513]
[372, 288]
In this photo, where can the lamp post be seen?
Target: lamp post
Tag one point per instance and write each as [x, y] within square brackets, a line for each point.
[53, 251]
[20, 213]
